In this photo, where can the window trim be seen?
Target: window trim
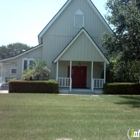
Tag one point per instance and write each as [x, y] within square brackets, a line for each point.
[12, 69]
[28, 62]
[80, 13]
[23, 63]
[30, 59]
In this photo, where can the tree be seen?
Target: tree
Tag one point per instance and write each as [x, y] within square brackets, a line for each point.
[124, 18]
[27, 74]
[136, 69]
[37, 69]
[12, 50]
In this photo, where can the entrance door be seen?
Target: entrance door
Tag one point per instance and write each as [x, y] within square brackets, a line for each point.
[79, 76]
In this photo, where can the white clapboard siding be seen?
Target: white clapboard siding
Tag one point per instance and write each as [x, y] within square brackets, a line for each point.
[62, 30]
[82, 50]
[17, 63]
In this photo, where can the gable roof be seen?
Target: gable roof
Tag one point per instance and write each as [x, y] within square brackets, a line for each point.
[62, 10]
[21, 54]
[74, 39]
[53, 20]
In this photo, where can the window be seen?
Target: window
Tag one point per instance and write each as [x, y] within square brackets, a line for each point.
[26, 63]
[31, 62]
[13, 71]
[79, 19]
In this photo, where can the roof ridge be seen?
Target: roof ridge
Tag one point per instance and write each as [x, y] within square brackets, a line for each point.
[63, 8]
[65, 49]
[53, 17]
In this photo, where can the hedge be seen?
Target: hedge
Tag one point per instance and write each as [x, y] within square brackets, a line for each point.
[22, 86]
[122, 88]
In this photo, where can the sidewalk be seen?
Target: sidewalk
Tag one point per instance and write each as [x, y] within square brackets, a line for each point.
[3, 91]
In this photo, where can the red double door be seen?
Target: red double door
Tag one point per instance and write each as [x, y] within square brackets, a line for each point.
[79, 76]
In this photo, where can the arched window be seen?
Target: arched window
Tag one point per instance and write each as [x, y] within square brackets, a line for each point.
[31, 61]
[26, 63]
[79, 19]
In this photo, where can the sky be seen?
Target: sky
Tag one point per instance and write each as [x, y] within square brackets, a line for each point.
[22, 20]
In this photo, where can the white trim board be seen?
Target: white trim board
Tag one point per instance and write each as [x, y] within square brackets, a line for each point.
[53, 20]
[99, 15]
[62, 10]
[6, 59]
[28, 62]
[11, 70]
[79, 13]
[69, 45]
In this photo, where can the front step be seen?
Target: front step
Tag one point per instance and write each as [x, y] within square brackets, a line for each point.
[4, 87]
[81, 91]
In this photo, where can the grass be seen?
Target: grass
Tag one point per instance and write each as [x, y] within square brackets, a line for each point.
[50, 117]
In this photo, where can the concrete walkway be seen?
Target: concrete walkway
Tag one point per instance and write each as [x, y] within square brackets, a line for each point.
[6, 92]
[3, 91]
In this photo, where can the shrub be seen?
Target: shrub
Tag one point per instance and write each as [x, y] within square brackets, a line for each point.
[7, 79]
[37, 69]
[21, 86]
[122, 88]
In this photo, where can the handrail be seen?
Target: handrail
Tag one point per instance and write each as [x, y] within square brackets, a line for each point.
[98, 83]
[64, 81]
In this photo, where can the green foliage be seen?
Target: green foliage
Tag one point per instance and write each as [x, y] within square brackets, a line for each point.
[109, 43]
[53, 117]
[12, 50]
[136, 70]
[21, 86]
[124, 17]
[122, 88]
[123, 71]
[124, 42]
[27, 74]
[37, 69]
[8, 79]
[109, 74]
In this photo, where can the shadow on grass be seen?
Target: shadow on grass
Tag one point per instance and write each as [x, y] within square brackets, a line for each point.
[133, 101]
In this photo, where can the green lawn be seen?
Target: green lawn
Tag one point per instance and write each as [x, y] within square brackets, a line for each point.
[50, 117]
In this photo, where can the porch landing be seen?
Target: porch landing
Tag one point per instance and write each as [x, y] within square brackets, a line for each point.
[80, 91]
